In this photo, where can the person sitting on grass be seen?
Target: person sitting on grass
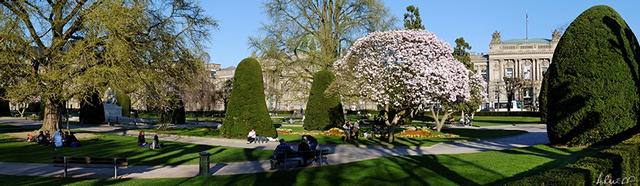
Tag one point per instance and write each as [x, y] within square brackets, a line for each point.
[72, 140]
[251, 137]
[57, 139]
[141, 140]
[30, 137]
[155, 144]
[48, 135]
[42, 139]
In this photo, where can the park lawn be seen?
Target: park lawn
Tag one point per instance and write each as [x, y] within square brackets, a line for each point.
[464, 134]
[194, 131]
[504, 120]
[106, 145]
[484, 168]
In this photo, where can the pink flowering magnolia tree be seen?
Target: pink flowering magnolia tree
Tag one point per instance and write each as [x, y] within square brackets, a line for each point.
[404, 71]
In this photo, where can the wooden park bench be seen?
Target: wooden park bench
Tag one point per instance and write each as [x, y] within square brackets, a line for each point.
[282, 158]
[317, 156]
[92, 162]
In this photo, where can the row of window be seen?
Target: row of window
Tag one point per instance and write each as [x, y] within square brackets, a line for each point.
[508, 72]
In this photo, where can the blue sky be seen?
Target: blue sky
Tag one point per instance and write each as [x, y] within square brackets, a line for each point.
[473, 20]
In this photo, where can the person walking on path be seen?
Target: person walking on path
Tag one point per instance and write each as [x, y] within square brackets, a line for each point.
[347, 131]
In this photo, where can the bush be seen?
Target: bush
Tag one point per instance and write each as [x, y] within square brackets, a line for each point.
[619, 161]
[91, 110]
[4, 104]
[542, 100]
[175, 115]
[592, 84]
[247, 107]
[323, 111]
[125, 102]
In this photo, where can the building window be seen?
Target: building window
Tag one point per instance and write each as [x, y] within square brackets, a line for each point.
[527, 72]
[528, 93]
[212, 75]
[485, 74]
[508, 72]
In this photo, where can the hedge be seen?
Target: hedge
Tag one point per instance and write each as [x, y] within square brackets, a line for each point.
[4, 104]
[323, 111]
[592, 84]
[125, 103]
[619, 161]
[247, 106]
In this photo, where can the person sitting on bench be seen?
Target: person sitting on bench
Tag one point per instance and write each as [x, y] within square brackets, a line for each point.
[283, 147]
[251, 137]
[313, 143]
[304, 151]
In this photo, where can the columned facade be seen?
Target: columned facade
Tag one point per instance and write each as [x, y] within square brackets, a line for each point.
[525, 59]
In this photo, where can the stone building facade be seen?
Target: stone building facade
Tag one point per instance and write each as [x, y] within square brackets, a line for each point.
[526, 59]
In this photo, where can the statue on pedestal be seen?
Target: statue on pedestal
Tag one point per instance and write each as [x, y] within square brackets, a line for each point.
[110, 97]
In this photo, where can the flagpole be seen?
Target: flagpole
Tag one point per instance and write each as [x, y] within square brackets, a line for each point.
[526, 27]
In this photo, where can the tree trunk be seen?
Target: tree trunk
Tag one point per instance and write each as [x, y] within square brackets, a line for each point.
[391, 137]
[509, 100]
[439, 121]
[52, 110]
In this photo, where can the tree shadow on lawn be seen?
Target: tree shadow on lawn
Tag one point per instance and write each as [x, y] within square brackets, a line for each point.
[171, 153]
[559, 160]
[401, 170]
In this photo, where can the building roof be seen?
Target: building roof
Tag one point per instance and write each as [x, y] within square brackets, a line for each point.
[524, 41]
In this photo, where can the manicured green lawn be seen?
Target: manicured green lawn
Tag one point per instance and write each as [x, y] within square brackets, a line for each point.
[172, 153]
[196, 131]
[504, 120]
[485, 168]
[464, 134]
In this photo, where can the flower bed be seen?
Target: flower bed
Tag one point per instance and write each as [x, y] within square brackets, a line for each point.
[334, 132]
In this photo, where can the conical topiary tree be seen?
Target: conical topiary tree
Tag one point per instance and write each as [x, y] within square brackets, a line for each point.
[323, 111]
[592, 84]
[247, 106]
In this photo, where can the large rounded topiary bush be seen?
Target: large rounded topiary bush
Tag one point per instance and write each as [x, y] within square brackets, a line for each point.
[323, 111]
[592, 84]
[247, 107]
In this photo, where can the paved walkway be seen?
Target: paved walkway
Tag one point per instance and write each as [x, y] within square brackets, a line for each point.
[343, 154]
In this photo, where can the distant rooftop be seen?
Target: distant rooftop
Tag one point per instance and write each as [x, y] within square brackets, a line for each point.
[531, 40]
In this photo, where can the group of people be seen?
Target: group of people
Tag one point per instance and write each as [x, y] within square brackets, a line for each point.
[59, 139]
[351, 130]
[155, 143]
[305, 148]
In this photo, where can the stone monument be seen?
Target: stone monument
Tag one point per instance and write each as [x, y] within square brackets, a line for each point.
[112, 112]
